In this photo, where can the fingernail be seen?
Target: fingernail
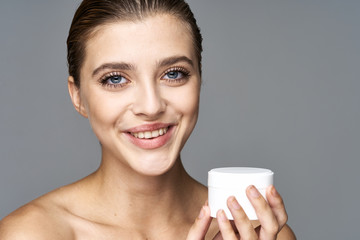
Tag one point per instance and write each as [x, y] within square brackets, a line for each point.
[254, 192]
[234, 203]
[202, 213]
[222, 216]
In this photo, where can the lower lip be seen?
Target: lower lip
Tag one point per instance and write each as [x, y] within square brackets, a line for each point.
[151, 143]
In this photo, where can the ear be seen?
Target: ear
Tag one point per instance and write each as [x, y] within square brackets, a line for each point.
[74, 92]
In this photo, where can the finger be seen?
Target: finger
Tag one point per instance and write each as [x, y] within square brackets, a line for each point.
[242, 222]
[277, 205]
[201, 225]
[227, 231]
[268, 221]
[218, 236]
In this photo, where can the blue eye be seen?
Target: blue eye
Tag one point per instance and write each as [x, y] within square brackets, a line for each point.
[174, 74]
[114, 80]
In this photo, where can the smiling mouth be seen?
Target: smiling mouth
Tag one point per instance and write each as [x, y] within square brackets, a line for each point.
[150, 134]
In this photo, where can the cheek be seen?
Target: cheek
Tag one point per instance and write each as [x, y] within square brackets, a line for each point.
[191, 106]
[186, 101]
[191, 100]
[186, 107]
[104, 111]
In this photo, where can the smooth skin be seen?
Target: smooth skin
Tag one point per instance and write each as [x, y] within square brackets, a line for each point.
[139, 74]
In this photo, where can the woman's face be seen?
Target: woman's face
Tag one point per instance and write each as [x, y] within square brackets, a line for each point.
[140, 87]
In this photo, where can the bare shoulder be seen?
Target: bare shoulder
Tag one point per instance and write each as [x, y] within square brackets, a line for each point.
[286, 233]
[39, 219]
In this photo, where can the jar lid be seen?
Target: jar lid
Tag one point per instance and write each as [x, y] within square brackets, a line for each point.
[239, 177]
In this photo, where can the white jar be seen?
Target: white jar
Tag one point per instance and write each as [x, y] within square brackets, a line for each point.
[233, 181]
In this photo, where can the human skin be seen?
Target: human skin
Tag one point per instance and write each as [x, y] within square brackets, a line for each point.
[141, 190]
[146, 95]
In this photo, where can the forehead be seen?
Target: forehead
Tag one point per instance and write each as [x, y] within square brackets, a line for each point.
[139, 42]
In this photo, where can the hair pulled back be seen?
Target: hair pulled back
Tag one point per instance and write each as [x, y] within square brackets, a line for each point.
[94, 13]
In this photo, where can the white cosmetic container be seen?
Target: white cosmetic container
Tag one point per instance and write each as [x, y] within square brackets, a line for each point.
[233, 181]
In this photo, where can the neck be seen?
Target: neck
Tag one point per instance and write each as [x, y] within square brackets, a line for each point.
[131, 198]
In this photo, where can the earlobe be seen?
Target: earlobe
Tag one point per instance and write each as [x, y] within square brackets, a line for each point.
[74, 92]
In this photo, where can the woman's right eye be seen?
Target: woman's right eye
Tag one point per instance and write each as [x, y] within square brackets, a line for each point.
[114, 80]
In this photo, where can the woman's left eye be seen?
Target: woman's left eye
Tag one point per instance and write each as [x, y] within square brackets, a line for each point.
[175, 75]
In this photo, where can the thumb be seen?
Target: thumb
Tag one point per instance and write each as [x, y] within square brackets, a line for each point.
[201, 225]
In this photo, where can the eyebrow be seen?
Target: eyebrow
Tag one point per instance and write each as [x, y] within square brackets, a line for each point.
[175, 59]
[127, 66]
[113, 66]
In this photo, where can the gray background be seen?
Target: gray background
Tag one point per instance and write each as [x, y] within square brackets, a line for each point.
[281, 91]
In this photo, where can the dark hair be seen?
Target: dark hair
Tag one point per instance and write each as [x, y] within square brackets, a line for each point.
[93, 13]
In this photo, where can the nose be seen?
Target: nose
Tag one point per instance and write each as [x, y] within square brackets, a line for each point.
[148, 101]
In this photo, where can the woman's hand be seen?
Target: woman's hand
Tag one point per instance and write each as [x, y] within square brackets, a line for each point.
[272, 217]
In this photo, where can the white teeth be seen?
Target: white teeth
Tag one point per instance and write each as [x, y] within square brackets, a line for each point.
[152, 134]
[155, 133]
[147, 134]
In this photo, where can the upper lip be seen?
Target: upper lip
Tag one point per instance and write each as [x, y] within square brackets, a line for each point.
[148, 127]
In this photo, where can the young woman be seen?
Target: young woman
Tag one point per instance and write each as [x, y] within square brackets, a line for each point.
[135, 73]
